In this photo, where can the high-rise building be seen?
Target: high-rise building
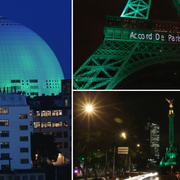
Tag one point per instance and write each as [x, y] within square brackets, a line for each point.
[155, 140]
[153, 136]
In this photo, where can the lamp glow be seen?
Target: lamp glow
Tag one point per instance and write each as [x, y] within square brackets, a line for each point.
[89, 108]
[123, 135]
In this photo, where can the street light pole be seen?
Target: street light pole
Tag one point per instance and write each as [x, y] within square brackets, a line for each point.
[114, 160]
[106, 165]
[88, 109]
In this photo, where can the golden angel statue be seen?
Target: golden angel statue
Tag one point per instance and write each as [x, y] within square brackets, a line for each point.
[170, 102]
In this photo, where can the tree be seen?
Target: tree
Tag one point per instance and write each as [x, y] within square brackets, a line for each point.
[43, 146]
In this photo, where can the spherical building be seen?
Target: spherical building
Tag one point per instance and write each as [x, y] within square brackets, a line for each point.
[27, 62]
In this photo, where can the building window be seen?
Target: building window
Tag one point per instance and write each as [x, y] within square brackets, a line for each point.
[65, 123]
[59, 145]
[64, 112]
[4, 155]
[4, 145]
[5, 167]
[36, 113]
[15, 81]
[4, 122]
[45, 113]
[24, 150]
[4, 110]
[58, 134]
[57, 124]
[4, 133]
[47, 133]
[24, 161]
[23, 127]
[65, 134]
[23, 116]
[30, 123]
[45, 124]
[36, 124]
[25, 178]
[65, 144]
[32, 177]
[23, 138]
[56, 112]
[33, 80]
[66, 102]
[30, 113]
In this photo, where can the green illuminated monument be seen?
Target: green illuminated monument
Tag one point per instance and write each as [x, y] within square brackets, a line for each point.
[131, 42]
[171, 151]
[137, 9]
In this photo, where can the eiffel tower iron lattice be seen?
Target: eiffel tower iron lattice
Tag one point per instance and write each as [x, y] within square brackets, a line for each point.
[129, 45]
[137, 9]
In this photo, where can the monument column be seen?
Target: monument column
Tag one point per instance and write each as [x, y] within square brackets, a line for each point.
[171, 116]
[171, 152]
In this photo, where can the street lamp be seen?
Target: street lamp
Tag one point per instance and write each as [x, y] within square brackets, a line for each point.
[123, 135]
[138, 145]
[89, 108]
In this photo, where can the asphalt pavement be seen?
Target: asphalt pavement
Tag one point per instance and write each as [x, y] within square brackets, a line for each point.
[152, 176]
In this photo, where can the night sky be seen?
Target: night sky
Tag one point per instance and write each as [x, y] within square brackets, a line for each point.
[51, 20]
[142, 105]
[89, 21]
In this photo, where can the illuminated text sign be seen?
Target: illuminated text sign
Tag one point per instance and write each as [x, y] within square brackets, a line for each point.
[161, 37]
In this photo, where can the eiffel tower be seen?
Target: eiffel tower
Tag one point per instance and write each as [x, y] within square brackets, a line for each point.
[131, 42]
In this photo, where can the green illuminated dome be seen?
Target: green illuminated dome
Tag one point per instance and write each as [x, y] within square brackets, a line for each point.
[27, 62]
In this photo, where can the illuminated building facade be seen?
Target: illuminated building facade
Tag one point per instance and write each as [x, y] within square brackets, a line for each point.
[55, 120]
[155, 140]
[27, 62]
[16, 126]
[153, 137]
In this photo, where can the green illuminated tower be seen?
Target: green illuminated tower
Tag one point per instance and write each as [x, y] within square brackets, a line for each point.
[137, 9]
[131, 42]
[171, 152]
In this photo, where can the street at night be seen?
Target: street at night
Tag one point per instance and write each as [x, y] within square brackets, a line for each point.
[138, 120]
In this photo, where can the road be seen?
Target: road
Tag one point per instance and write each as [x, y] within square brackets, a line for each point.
[148, 176]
